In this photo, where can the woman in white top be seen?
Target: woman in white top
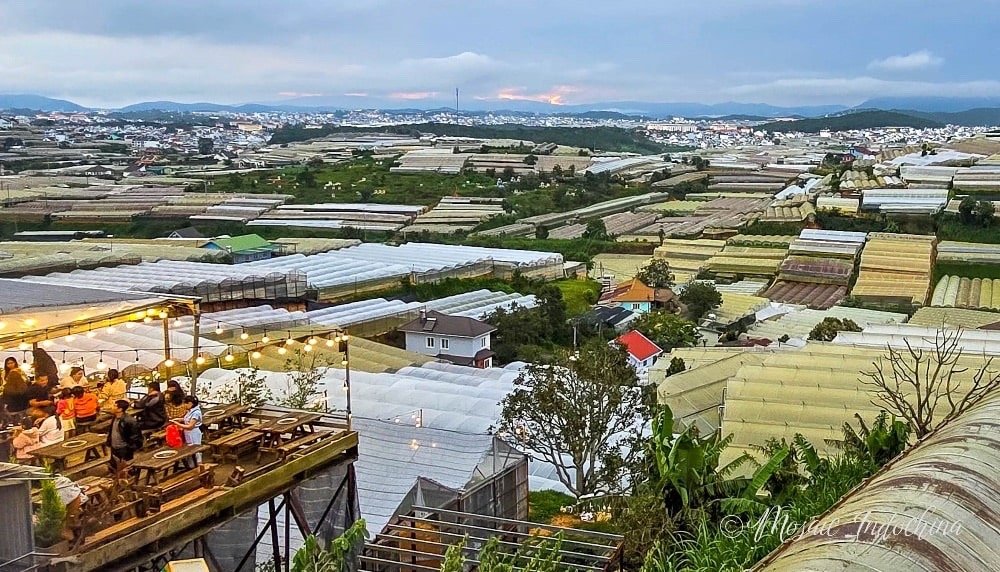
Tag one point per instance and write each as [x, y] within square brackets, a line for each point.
[46, 430]
[191, 423]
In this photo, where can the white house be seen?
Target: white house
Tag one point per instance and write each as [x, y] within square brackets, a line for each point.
[642, 352]
[457, 339]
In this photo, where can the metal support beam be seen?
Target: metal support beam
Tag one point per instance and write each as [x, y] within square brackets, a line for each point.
[196, 342]
[273, 524]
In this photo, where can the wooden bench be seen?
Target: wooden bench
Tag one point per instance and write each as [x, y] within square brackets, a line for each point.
[235, 444]
[81, 470]
[203, 476]
[286, 449]
[123, 527]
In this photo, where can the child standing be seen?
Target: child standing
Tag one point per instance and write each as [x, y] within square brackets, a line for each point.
[66, 410]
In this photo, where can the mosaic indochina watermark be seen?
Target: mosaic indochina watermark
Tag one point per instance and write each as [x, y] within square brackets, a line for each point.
[868, 526]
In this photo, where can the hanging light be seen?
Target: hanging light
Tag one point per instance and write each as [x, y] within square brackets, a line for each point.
[344, 337]
[199, 360]
[3, 324]
[101, 366]
[46, 343]
[147, 320]
[244, 335]
[71, 338]
[91, 334]
[229, 358]
[63, 367]
[313, 341]
[329, 343]
[30, 322]
[265, 339]
[344, 363]
[307, 348]
[218, 329]
[282, 350]
[129, 325]
[163, 314]
[151, 312]
[255, 354]
[169, 362]
[23, 346]
[111, 329]
[289, 342]
[136, 356]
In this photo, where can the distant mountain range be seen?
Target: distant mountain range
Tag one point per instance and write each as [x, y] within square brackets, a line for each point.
[908, 110]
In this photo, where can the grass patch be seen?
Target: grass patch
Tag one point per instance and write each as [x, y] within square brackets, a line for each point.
[544, 505]
[578, 294]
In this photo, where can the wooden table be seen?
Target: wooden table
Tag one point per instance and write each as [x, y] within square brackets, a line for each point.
[156, 462]
[224, 415]
[59, 453]
[292, 424]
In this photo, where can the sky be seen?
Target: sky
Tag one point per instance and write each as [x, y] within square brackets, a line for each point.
[108, 53]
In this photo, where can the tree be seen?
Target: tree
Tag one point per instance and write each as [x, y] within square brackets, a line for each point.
[596, 230]
[880, 443]
[522, 330]
[827, 330]
[205, 145]
[667, 330]
[656, 274]
[571, 171]
[337, 557]
[700, 297]
[557, 171]
[250, 389]
[508, 173]
[306, 178]
[51, 515]
[676, 366]
[920, 386]
[574, 413]
[984, 213]
[302, 389]
[967, 210]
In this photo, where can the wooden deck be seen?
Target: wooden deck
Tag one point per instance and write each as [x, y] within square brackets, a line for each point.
[193, 514]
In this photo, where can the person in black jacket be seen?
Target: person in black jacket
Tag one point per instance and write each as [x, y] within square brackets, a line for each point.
[152, 408]
[124, 436]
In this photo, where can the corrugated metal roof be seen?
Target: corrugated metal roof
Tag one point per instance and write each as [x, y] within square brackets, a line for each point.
[946, 487]
[958, 317]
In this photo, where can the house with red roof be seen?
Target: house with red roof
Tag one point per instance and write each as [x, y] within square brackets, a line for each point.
[642, 352]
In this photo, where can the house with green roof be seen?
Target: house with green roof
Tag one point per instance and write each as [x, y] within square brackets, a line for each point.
[244, 248]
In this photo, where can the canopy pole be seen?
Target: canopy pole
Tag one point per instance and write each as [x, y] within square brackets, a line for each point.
[196, 349]
[166, 338]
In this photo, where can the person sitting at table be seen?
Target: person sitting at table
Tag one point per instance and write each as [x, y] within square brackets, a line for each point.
[110, 390]
[85, 404]
[174, 403]
[39, 396]
[175, 386]
[15, 388]
[74, 378]
[66, 410]
[152, 408]
[39, 430]
[191, 423]
[124, 436]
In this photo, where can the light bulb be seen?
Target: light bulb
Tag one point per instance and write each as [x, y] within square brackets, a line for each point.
[111, 329]
[91, 334]
[244, 336]
[255, 355]
[313, 341]
[229, 358]
[101, 365]
[265, 339]
[129, 325]
[3, 324]
[344, 337]
[23, 346]
[329, 343]
[71, 338]
[30, 322]
[199, 360]
[47, 343]
[344, 363]
[307, 348]
[289, 342]
[282, 351]
[64, 367]
[219, 330]
[151, 312]
[168, 362]
[147, 320]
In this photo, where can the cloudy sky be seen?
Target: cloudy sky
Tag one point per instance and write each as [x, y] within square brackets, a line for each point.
[115, 52]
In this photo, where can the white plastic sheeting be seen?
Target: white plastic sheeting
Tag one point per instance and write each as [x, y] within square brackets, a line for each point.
[347, 315]
[480, 303]
[970, 342]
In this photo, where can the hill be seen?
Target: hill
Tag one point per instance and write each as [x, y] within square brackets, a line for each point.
[37, 103]
[983, 116]
[931, 104]
[848, 121]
